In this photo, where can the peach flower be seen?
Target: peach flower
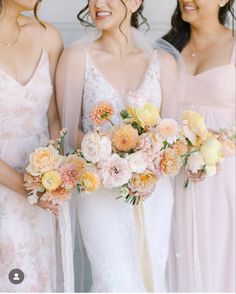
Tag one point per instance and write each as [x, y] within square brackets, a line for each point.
[180, 147]
[125, 138]
[101, 113]
[143, 183]
[69, 174]
[89, 181]
[170, 162]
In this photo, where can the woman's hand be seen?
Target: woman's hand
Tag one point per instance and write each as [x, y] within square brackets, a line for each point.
[48, 206]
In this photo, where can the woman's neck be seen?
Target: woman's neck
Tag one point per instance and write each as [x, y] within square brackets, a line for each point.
[204, 34]
[118, 42]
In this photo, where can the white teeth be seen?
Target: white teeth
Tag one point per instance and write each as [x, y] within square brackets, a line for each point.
[190, 8]
[103, 13]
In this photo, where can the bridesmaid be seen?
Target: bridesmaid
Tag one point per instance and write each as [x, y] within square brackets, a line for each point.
[29, 51]
[203, 237]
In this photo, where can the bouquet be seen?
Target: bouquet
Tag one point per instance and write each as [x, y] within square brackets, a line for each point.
[133, 155]
[204, 153]
[52, 176]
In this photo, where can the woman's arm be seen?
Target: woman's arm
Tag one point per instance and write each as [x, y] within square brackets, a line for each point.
[54, 46]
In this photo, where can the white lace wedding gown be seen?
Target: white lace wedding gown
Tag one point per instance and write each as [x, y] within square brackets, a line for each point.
[108, 226]
[27, 233]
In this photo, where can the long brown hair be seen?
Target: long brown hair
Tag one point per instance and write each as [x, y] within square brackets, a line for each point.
[179, 34]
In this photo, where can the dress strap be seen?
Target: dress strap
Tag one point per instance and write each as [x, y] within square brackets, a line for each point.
[233, 54]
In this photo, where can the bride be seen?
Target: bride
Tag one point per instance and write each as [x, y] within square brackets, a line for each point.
[127, 247]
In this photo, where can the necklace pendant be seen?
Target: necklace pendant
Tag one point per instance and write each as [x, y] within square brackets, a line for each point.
[194, 55]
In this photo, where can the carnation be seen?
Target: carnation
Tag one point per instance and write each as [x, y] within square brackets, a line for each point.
[168, 129]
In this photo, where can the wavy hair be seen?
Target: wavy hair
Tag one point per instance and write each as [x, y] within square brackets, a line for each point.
[179, 34]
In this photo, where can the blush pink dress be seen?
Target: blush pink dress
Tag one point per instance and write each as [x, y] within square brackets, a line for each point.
[203, 234]
[27, 233]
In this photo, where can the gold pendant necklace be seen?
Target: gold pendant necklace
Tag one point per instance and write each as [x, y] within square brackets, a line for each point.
[8, 44]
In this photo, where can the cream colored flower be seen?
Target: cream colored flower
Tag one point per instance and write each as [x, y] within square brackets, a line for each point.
[43, 159]
[211, 151]
[147, 116]
[196, 124]
[195, 162]
[95, 147]
[137, 162]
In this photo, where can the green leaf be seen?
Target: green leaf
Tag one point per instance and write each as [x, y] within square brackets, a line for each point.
[78, 188]
[124, 114]
[186, 183]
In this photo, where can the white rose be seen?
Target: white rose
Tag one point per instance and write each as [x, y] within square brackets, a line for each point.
[137, 162]
[95, 147]
[195, 162]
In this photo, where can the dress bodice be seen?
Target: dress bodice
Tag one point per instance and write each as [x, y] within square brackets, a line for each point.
[212, 93]
[97, 88]
[23, 108]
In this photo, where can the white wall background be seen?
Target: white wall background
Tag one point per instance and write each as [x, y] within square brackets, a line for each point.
[62, 13]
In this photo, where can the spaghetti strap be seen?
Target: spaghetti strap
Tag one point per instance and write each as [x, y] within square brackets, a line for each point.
[233, 54]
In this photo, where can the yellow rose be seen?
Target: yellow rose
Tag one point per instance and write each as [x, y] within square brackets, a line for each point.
[211, 151]
[51, 180]
[147, 116]
[89, 181]
[195, 123]
[42, 160]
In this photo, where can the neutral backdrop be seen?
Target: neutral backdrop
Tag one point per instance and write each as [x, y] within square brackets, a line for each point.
[62, 13]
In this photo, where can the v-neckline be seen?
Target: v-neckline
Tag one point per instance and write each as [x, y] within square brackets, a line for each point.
[118, 93]
[9, 76]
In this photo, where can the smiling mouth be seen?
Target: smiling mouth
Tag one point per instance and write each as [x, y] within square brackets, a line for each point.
[189, 8]
[103, 14]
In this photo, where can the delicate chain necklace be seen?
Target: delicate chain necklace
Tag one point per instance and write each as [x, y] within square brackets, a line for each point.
[8, 44]
[193, 52]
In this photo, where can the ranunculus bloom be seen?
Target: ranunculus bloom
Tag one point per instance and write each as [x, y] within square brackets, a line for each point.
[125, 138]
[147, 116]
[168, 129]
[43, 159]
[95, 148]
[89, 181]
[101, 113]
[51, 180]
[143, 183]
[196, 123]
[115, 171]
[170, 162]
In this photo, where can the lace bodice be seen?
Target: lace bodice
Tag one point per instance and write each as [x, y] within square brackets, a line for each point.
[97, 88]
